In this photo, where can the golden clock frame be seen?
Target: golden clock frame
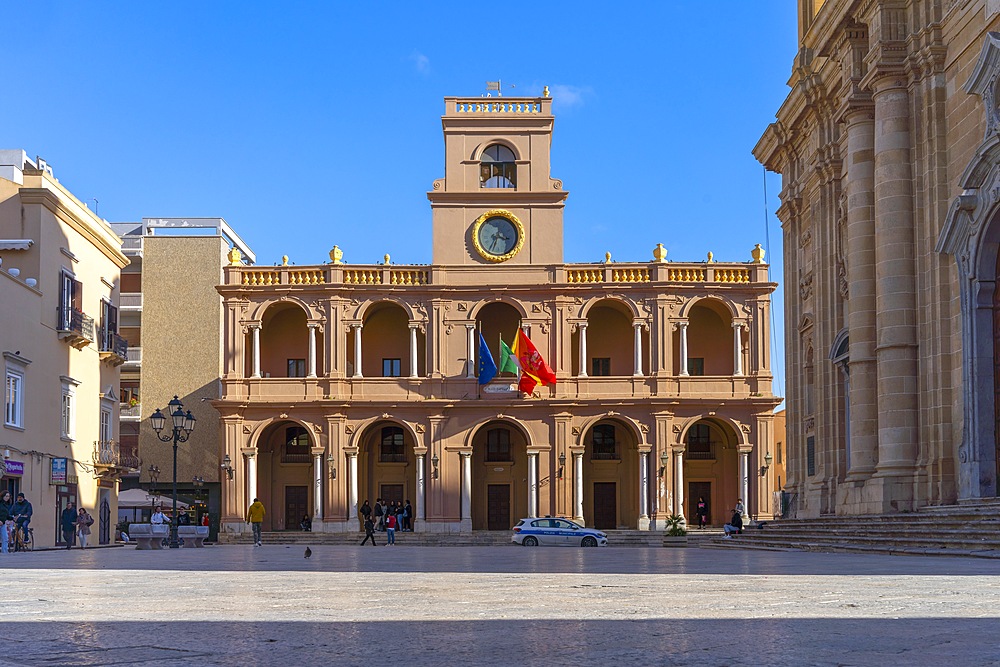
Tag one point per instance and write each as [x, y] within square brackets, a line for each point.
[497, 213]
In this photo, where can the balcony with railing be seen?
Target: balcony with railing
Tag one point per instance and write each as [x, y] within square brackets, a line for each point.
[132, 246]
[130, 412]
[111, 461]
[113, 348]
[76, 328]
[133, 358]
[130, 301]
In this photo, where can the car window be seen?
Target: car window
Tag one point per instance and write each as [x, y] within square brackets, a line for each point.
[565, 525]
[540, 523]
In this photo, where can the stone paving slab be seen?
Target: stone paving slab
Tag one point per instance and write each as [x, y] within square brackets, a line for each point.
[234, 605]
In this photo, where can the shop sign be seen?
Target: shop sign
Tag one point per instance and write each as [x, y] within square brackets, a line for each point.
[14, 468]
[57, 474]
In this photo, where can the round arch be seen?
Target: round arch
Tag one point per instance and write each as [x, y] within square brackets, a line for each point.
[629, 423]
[734, 426]
[478, 306]
[477, 153]
[629, 305]
[363, 309]
[361, 427]
[519, 425]
[694, 301]
[257, 431]
[285, 471]
[260, 309]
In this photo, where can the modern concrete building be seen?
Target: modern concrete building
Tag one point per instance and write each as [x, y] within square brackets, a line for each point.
[888, 149]
[59, 282]
[171, 316]
[346, 382]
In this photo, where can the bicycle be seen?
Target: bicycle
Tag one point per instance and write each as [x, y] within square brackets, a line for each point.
[23, 541]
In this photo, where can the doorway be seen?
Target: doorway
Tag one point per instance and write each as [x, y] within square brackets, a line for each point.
[606, 505]
[391, 493]
[296, 505]
[65, 494]
[498, 507]
[699, 490]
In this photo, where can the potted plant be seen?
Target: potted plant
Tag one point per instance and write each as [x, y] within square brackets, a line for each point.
[676, 535]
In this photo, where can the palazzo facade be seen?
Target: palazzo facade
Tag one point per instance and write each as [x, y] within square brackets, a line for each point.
[889, 150]
[346, 382]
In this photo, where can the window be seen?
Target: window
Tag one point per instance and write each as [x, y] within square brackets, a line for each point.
[777, 453]
[811, 455]
[296, 446]
[600, 366]
[699, 444]
[605, 448]
[696, 366]
[390, 368]
[498, 445]
[107, 430]
[497, 168]
[68, 412]
[70, 299]
[13, 413]
[391, 449]
[109, 326]
[296, 368]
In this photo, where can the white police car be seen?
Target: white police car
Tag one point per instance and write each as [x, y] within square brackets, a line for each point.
[549, 532]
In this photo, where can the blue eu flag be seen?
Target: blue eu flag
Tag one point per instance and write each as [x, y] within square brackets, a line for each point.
[487, 367]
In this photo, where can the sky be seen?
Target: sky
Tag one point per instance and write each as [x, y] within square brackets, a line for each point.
[306, 125]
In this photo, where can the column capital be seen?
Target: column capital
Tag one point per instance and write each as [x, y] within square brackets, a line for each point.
[465, 453]
[680, 324]
[249, 452]
[317, 451]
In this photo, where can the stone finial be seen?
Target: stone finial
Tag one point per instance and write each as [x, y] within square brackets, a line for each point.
[234, 256]
[710, 256]
[545, 91]
[758, 254]
[659, 253]
[607, 258]
[386, 258]
[337, 255]
[284, 260]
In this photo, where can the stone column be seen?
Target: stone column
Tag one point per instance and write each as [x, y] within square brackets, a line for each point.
[255, 352]
[317, 453]
[578, 486]
[679, 491]
[895, 292]
[352, 499]
[744, 483]
[860, 190]
[311, 372]
[251, 457]
[418, 511]
[467, 491]
[470, 366]
[532, 483]
[637, 349]
[643, 490]
[357, 350]
[682, 327]
[737, 349]
[413, 351]
[583, 349]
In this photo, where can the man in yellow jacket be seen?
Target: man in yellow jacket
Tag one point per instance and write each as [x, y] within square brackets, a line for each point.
[255, 517]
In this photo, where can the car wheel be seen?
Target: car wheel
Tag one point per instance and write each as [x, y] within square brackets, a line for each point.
[529, 542]
[589, 542]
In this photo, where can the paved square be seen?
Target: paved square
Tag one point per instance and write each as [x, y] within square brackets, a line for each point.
[234, 605]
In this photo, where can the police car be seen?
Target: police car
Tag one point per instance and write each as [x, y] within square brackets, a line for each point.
[549, 532]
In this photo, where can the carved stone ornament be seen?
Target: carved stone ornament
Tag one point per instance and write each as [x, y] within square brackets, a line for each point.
[810, 423]
[806, 286]
[576, 430]
[677, 428]
[535, 308]
[745, 428]
[447, 330]
[349, 429]
[247, 430]
[386, 415]
[317, 428]
[611, 413]
[544, 327]
[283, 415]
[462, 307]
[644, 428]
[419, 428]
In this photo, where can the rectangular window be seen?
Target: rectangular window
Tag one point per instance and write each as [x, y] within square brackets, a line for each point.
[390, 368]
[777, 458]
[600, 366]
[391, 448]
[70, 299]
[296, 446]
[296, 368]
[68, 416]
[696, 366]
[13, 414]
[498, 445]
[811, 455]
[605, 448]
[107, 431]
[699, 442]
[109, 325]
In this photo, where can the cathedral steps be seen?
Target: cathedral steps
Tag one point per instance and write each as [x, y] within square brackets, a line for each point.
[967, 529]
[617, 538]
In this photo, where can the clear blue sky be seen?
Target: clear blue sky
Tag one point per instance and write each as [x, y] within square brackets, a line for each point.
[312, 124]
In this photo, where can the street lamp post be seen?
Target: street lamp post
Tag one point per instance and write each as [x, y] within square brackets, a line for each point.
[183, 425]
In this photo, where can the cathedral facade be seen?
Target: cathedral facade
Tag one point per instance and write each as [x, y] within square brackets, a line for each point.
[344, 383]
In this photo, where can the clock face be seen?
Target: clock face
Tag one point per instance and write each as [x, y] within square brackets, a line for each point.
[498, 235]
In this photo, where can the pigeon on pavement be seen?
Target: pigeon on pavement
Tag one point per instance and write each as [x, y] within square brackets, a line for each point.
[308, 552]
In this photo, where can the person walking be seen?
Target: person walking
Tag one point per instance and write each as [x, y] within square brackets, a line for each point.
[369, 531]
[255, 517]
[83, 523]
[68, 523]
[6, 521]
[702, 510]
[390, 530]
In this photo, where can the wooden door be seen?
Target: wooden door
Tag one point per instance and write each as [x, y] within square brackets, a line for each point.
[605, 505]
[65, 494]
[391, 493]
[296, 506]
[498, 507]
[695, 491]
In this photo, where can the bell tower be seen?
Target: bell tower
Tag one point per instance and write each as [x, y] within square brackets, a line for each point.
[497, 203]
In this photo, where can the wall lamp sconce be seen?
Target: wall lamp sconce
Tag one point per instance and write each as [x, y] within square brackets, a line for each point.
[198, 481]
[329, 464]
[562, 465]
[434, 466]
[227, 467]
[664, 461]
[767, 464]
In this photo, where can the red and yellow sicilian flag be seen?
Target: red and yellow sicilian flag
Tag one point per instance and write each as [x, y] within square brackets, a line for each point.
[534, 370]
